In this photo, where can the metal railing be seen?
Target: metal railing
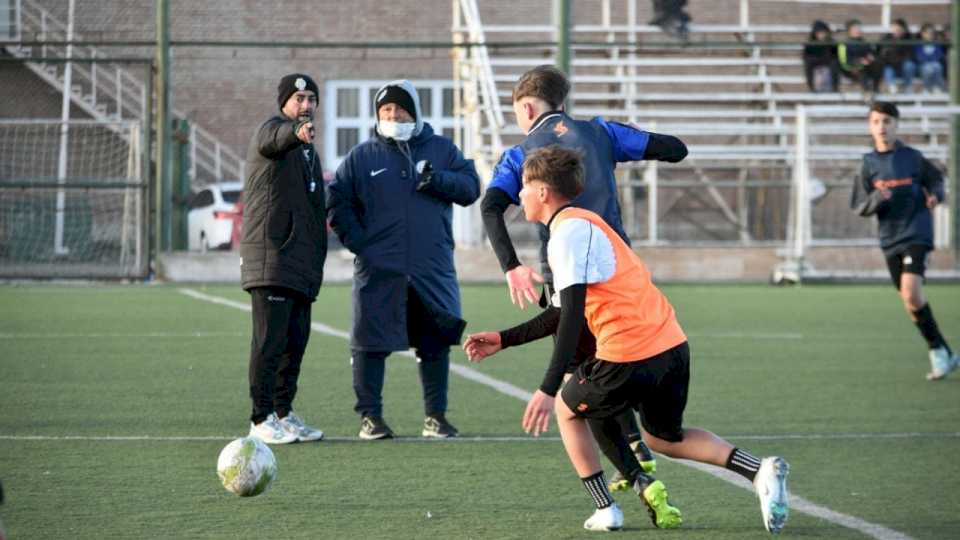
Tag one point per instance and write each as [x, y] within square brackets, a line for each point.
[108, 91]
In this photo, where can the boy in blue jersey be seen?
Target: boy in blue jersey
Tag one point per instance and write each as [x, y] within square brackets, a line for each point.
[901, 187]
[538, 99]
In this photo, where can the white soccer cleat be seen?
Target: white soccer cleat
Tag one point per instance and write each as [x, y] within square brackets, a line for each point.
[941, 363]
[291, 423]
[271, 432]
[605, 519]
[771, 486]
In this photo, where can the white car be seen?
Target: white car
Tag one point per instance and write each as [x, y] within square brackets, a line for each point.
[213, 221]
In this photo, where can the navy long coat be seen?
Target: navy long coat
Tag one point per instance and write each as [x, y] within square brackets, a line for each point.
[400, 236]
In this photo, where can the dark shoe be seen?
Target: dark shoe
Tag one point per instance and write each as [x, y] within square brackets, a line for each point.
[374, 428]
[644, 456]
[437, 427]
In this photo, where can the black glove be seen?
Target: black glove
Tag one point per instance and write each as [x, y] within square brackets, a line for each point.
[425, 173]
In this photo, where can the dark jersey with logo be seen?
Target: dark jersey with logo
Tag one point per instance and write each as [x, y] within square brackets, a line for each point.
[894, 185]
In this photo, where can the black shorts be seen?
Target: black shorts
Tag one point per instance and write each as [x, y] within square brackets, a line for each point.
[912, 260]
[656, 387]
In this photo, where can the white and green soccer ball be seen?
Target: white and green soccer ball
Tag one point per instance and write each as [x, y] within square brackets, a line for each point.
[246, 467]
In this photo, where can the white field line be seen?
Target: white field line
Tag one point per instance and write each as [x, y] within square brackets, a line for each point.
[117, 335]
[798, 503]
[468, 439]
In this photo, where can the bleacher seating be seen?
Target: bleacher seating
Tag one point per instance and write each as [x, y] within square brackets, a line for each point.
[731, 92]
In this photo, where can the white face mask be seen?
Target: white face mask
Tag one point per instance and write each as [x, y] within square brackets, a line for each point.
[401, 131]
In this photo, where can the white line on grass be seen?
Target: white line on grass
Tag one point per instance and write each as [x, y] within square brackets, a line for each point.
[117, 335]
[464, 371]
[799, 503]
[477, 438]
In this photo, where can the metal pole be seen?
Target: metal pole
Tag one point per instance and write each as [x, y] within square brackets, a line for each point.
[149, 197]
[163, 123]
[58, 247]
[562, 10]
[955, 125]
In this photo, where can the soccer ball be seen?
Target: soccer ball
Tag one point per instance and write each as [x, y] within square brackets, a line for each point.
[246, 467]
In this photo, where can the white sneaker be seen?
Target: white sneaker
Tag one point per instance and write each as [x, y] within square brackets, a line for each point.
[771, 486]
[291, 423]
[605, 519]
[941, 363]
[271, 432]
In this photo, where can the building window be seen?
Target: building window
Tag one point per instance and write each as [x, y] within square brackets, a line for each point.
[347, 138]
[349, 117]
[347, 106]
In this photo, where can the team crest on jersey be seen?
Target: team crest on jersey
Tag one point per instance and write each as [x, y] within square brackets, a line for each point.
[582, 407]
[560, 129]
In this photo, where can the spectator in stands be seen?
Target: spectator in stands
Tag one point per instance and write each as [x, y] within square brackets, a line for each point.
[858, 59]
[896, 54]
[820, 59]
[929, 56]
[671, 17]
[944, 36]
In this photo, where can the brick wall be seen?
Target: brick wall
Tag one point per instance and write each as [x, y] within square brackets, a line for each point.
[230, 91]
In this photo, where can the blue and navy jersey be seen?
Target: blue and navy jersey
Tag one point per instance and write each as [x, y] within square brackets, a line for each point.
[906, 176]
[603, 145]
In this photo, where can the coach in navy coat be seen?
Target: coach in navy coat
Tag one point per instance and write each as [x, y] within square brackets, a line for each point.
[391, 205]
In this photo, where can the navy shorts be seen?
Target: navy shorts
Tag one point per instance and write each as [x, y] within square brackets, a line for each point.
[912, 260]
[657, 387]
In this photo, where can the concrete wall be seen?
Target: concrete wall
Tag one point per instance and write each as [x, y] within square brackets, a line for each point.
[668, 264]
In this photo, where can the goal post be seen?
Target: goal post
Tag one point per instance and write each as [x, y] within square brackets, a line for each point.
[87, 223]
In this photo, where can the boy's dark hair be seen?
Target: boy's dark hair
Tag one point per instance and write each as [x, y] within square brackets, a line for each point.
[885, 107]
[558, 167]
[851, 23]
[545, 82]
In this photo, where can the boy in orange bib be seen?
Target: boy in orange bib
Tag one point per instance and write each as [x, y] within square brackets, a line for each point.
[642, 357]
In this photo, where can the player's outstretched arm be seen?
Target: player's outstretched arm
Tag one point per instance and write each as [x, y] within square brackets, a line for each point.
[484, 344]
[536, 417]
[631, 143]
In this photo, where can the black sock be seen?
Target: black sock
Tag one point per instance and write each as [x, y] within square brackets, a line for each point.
[743, 463]
[596, 486]
[928, 328]
[606, 431]
[640, 482]
[627, 420]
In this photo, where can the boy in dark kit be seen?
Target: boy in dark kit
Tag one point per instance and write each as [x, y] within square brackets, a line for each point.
[901, 187]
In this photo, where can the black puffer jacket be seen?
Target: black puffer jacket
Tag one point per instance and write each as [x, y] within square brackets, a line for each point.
[284, 214]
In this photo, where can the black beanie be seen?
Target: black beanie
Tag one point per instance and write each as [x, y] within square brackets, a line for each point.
[292, 84]
[396, 94]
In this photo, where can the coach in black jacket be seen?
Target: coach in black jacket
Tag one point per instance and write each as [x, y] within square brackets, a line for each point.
[282, 254]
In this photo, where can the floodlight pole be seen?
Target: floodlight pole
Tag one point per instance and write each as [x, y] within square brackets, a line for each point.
[164, 192]
[58, 247]
[954, 172]
[561, 10]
